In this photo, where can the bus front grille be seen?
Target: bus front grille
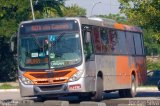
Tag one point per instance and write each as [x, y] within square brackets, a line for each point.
[51, 77]
[50, 88]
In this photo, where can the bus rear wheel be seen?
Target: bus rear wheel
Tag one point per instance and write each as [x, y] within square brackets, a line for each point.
[132, 91]
[98, 96]
[129, 92]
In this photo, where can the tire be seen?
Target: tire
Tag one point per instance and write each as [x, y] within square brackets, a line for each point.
[132, 91]
[122, 93]
[99, 90]
[129, 92]
[85, 97]
[40, 99]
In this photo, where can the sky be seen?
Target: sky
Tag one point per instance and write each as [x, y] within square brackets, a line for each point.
[94, 8]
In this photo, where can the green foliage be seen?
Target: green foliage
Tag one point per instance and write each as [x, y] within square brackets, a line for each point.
[73, 11]
[48, 8]
[12, 12]
[153, 65]
[145, 13]
[151, 44]
[7, 61]
[116, 17]
[7, 86]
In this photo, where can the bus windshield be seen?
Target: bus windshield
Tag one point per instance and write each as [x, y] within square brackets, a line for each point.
[55, 50]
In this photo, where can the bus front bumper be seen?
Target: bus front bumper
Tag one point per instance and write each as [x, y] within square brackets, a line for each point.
[52, 89]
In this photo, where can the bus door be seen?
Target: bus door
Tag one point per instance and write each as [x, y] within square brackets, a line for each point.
[87, 35]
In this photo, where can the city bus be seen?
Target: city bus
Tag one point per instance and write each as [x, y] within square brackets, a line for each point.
[82, 56]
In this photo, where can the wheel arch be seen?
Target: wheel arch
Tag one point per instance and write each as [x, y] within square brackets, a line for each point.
[100, 74]
[133, 73]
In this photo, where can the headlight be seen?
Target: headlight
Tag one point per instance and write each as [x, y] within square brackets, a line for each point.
[25, 80]
[76, 76]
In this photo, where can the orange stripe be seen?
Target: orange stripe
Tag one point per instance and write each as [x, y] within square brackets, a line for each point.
[122, 70]
[60, 76]
[119, 26]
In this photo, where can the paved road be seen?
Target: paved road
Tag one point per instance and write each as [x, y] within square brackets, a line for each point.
[150, 97]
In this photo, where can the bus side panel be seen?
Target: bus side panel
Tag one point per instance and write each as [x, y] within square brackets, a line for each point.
[123, 71]
[107, 64]
[90, 74]
[141, 69]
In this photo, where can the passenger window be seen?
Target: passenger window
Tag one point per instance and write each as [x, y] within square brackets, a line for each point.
[122, 49]
[130, 43]
[97, 41]
[113, 41]
[138, 44]
[142, 44]
[104, 40]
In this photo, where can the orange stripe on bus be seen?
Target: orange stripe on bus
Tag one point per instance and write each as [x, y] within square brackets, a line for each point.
[119, 26]
[122, 70]
[60, 76]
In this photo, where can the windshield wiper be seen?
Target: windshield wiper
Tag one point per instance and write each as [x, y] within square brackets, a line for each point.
[58, 38]
[36, 40]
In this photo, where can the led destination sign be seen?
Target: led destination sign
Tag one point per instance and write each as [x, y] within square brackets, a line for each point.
[46, 26]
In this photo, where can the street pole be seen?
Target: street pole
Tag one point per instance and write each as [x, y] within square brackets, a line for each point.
[110, 7]
[32, 10]
[94, 6]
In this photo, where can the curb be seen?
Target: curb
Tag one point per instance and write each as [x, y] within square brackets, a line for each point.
[138, 89]
[147, 89]
[9, 90]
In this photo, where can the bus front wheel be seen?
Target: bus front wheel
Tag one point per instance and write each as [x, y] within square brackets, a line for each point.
[99, 90]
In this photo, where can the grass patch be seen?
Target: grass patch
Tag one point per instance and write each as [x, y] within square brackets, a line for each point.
[8, 86]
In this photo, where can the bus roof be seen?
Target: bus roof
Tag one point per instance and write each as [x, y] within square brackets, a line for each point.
[103, 22]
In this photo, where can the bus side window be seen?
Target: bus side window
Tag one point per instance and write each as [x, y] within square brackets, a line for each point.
[113, 41]
[104, 40]
[138, 44]
[130, 43]
[97, 40]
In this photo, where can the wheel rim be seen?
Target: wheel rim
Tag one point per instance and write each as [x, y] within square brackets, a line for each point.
[133, 88]
[99, 90]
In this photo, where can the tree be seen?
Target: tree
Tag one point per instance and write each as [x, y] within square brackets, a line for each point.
[48, 8]
[144, 13]
[12, 12]
[73, 10]
[116, 17]
[8, 68]
[151, 43]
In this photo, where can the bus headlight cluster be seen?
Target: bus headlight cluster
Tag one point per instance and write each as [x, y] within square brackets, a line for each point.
[26, 81]
[76, 76]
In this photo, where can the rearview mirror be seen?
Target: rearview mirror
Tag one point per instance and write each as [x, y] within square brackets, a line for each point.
[13, 42]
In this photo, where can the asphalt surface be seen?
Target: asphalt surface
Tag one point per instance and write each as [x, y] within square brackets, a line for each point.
[145, 97]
